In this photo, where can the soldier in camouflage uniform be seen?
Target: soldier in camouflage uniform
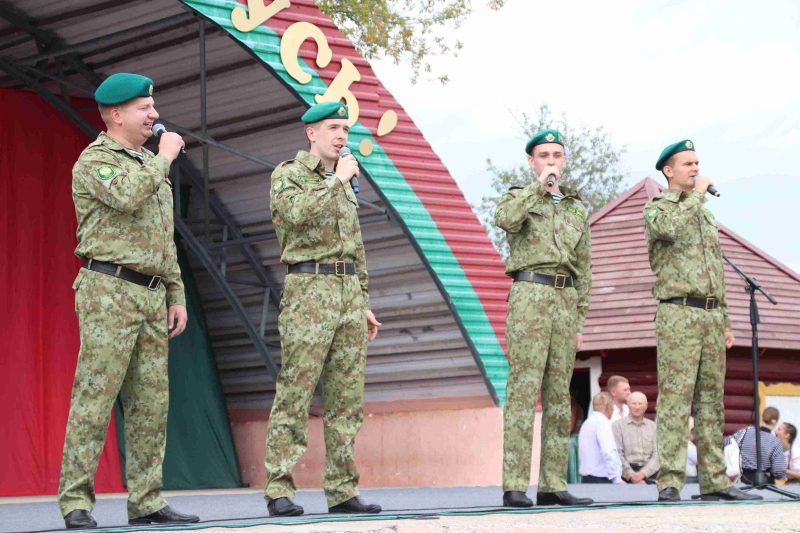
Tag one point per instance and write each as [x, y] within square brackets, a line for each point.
[325, 320]
[550, 261]
[692, 326]
[127, 295]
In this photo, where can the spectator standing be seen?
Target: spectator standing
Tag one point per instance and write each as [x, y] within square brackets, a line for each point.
[599, 458]
[619, 389]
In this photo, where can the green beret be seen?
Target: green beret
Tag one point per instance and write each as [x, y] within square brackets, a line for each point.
[543, 137]
[673, 149]
[122, 87]
[324, 110]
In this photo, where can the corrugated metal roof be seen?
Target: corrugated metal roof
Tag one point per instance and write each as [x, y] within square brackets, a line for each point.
[430, 292]
[407, 174]
[622, 308]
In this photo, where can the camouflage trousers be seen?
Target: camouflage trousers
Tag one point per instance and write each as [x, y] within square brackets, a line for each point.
[541, 328]
[323, 333]
[691, 368]
[123, 332]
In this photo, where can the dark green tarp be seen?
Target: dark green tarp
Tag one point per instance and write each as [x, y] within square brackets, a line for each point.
[200, 451]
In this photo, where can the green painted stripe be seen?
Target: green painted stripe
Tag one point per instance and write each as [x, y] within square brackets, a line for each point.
[265, 43]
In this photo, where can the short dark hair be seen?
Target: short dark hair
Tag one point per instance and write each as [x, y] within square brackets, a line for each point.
[770, 415]
[668, 163]
[791, 431]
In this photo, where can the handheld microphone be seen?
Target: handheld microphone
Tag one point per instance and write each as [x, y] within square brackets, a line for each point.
[158, 129]
[344, 152]
[711, 190]
[551, 180]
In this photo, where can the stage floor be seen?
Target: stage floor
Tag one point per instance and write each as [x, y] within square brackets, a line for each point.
[245, 508]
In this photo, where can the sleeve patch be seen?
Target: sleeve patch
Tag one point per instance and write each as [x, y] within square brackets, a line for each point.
[106, 172]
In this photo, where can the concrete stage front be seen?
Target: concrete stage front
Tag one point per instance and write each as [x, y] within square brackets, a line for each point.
[405, 509]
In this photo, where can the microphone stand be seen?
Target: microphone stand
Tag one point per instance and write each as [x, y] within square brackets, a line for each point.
[760, 477]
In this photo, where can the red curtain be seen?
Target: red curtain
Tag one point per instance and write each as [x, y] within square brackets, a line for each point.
[38, 329]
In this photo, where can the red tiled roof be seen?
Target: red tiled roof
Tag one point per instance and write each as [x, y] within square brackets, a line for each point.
[622, 307]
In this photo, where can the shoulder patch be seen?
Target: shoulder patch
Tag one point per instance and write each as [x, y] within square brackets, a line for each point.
[106, 172]
[278, 185]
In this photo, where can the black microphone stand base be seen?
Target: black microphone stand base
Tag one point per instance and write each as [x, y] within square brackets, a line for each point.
[761, 483]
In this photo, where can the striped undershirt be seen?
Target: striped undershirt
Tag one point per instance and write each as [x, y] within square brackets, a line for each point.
[135, 154]
[772, 458]
[557, 197]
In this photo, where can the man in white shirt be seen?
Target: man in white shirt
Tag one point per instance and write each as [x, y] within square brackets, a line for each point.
[597, 450]
[691, 455]
[619, 389]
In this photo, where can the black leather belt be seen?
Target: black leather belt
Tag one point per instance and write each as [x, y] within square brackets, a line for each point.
[559, 281]
[340, 268]
[118, 271]
[701, 303]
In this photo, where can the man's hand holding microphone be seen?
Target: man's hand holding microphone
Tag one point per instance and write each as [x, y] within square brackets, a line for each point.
[549, 176]
[703, 184]
[347, 168]
[170, 144]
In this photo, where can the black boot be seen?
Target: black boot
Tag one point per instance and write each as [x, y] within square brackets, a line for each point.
[283, 507]
[670, 494]
[355, 506]
[167, 515]
[516, 498]
[561, 498]
[79, 519]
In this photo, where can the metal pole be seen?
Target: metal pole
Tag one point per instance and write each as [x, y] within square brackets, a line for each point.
[204, 123]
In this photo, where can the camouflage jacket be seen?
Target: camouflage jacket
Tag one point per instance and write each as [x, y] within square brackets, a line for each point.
[124, 210]
[683, 245]
[315, 217]
[547, 238]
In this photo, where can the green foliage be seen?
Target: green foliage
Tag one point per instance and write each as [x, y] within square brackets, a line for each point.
[593, 168]
[407, 31]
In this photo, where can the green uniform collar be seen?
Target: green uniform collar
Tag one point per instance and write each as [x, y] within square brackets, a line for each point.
[569, 192]
[673, 195]
[313, 162]
[104, 139]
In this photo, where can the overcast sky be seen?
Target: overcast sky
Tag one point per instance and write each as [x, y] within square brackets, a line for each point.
[722, 73]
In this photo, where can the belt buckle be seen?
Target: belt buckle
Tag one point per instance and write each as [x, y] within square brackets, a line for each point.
[343, 271]
[563, 281]
[153, 285]
[710, 303]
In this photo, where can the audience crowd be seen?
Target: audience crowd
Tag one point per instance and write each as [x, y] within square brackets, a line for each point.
[617, 442]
